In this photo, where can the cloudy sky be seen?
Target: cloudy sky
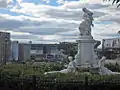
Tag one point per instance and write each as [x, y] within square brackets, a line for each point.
[53, 21]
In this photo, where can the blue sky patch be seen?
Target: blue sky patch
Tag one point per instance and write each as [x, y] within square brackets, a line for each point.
[104, 22]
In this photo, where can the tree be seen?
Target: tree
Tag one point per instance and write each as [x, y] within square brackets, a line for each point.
[115, 1]
[118, 32]
[69, 48]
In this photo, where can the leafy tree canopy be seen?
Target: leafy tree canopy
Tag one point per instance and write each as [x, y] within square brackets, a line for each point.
[114, 2]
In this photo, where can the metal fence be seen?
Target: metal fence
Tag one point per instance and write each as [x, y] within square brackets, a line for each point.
[36, 83]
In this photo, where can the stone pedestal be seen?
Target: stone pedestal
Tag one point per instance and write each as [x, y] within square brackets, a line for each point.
[85, 55]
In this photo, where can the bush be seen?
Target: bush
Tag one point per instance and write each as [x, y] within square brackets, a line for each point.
[113, 67]
[23, 70]
[28, 69]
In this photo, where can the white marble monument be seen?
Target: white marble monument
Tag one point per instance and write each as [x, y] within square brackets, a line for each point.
[86, 57]
[85, 54]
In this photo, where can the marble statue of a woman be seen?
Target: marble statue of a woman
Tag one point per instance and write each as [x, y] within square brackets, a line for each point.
[71, 67]
[85, 25]
[102, 69]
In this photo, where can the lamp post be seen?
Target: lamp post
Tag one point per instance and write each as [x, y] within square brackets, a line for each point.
[119, 47]
[2, 54]
[5, 54]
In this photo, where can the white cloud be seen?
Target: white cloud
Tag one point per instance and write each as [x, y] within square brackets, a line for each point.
[19, 1]
[77, 1]
[3, 3]
[9, 1]
[61, 1]
[52, 24]
[69, 11]
[47, 1]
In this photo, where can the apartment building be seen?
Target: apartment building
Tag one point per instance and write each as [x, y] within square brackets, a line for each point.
[4, 47]
[24, 51]
[111, 47]
[14, 51]
[48, 52]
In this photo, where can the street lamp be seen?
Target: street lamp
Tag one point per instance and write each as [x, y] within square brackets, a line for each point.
[119, 47]
[5, 53]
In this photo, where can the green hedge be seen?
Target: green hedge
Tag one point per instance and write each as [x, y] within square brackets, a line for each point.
[113, 67]
[28, 69]
[23, 70]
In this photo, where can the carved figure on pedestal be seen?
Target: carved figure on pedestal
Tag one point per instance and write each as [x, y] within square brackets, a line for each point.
[86, 57]
[85, 26]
